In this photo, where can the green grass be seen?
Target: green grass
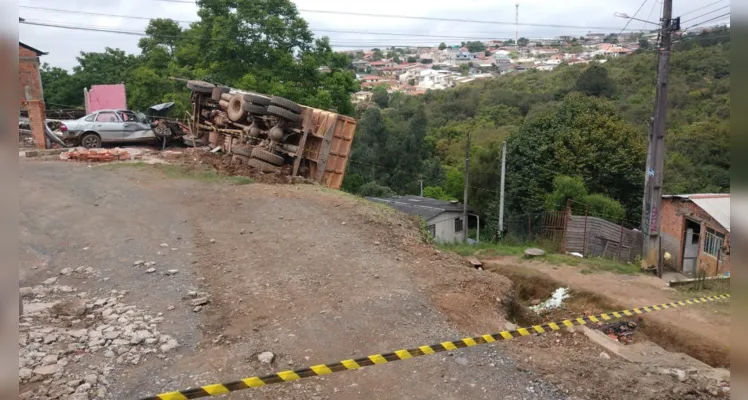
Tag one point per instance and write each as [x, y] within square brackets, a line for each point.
[592, 264]
[484, 249]
[205, 174]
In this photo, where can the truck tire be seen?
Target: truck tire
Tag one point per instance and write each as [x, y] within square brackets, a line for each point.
[201, 86]
[285, 114]
[254, 109]
[239, 159]
[234, 110]
[264, 155]
[218, 91]
[242, 151]
[285, 103]
[262, 166]
[257, 99]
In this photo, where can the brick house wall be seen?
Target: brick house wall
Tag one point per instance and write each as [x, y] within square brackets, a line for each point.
[674, 213]
[28, 74]
[30, 92]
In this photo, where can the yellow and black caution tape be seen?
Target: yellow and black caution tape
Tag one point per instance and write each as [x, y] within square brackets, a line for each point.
[397, 355]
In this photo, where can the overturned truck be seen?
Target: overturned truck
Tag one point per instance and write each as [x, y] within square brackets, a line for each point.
[270, 133]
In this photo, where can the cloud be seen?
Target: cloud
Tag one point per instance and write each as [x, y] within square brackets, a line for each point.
[64, 45]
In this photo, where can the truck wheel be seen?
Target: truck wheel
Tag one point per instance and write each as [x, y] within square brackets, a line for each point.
[200, 86]
[262, 166]
[239, 159]
[285, 114]
[242, 151]
[254, 109]
[91, 141]
[264, 155]
[257, 99]
[285, 103]
[218, 91]
[234, 110]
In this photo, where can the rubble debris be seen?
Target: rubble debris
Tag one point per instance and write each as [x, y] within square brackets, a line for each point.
[554, 302]
[266, 357]
[534, 252]
[621, 331]
[98, 155]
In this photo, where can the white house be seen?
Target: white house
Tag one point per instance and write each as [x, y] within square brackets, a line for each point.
[546, 67]
[444, 218]
[433, 79]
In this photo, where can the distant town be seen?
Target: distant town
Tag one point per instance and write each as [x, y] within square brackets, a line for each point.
[414, 70]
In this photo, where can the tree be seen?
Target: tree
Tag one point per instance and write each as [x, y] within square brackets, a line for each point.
[411, 82]
[426, 61]
[380, 96]
[377, 55]
[582, 136]
[643, 44]
[611, 38]
[595, 81]
[464, 69]
[487, 53]
[412, 59]
[475, 47]
[565, 188]
[442, 46]
[523, 42]
[61, 90]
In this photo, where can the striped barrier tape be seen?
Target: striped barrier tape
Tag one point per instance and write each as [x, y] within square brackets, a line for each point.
[397, 355]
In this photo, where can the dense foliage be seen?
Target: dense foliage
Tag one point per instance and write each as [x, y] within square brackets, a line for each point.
[263, 46]
[585, 121]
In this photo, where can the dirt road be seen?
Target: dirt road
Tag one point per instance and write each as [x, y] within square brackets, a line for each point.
[310, 275]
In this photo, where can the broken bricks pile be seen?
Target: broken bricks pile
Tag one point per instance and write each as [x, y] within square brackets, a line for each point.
[71, 342]
[98, 155]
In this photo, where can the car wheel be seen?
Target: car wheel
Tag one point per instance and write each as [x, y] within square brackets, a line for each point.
[285, 114]
[91, 141]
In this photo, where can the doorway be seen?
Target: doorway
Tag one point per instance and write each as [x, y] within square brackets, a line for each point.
[691, 247]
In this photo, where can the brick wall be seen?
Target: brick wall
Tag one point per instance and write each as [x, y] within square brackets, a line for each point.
[30, 77]
[673, 228]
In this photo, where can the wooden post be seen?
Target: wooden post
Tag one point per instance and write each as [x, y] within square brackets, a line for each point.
[567, 215]
[584, 240]
[529, 228]
[620, 243]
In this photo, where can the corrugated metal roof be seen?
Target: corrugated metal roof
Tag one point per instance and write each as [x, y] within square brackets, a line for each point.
[425, 207]
[715, 204]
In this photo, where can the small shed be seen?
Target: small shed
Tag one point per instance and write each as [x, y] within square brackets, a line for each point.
[444, 218]
[695, 230]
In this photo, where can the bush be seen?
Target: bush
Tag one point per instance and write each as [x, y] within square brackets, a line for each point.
[604, 207]
[436, 192]
[373, 189]
[564, 188]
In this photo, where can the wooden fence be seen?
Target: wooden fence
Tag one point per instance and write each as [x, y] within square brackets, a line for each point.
[596, 237]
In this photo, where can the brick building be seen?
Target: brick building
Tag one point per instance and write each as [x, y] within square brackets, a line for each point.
[31, 93]
[695, 230]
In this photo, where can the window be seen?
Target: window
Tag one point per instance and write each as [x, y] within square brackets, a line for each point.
[106, 116]
[128, 116]
[713, 242]
[90, 118]
[458, 225]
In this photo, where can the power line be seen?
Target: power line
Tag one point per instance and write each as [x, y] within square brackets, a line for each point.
[701, 8]
[472, 21]
[654, 4]
[705, 14]
[406, 34]
[709, 20]
[632, 18]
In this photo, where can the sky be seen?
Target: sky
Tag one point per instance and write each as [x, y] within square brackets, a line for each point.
[63, 45]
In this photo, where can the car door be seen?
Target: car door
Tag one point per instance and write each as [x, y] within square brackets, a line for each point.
[108, 125]
[134, 128]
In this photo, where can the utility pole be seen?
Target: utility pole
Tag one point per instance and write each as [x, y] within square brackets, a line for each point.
[656, 150]
[465, 193]
[421, 180]
[516, 28]
[501, 191]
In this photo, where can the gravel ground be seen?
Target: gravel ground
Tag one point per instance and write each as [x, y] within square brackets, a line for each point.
[308, 274]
